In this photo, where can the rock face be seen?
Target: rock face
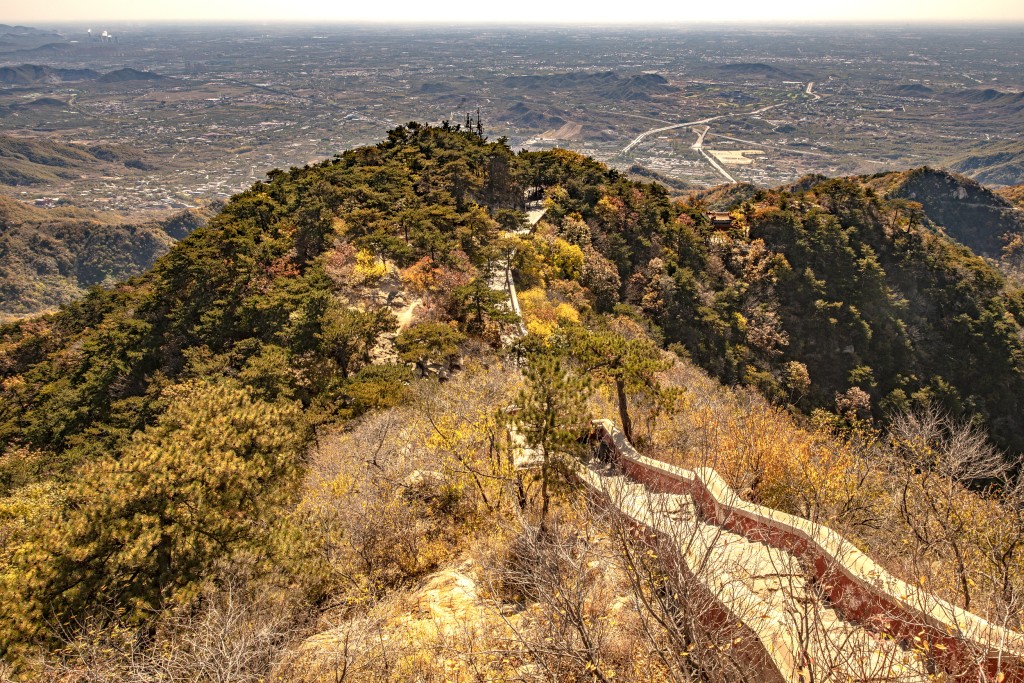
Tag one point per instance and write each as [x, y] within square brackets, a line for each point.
[445, 607]
[422, 483]
[453, 627]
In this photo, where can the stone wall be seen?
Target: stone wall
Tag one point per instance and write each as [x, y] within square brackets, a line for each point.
[958, 641]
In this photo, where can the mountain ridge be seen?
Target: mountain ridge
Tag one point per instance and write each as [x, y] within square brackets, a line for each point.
[226, 412]
[50, 257]
[970, 213]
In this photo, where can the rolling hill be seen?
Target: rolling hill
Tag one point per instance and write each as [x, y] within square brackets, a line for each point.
[31, 74]
[36, 74]
[37, 160]
[606, 84]
[50, 257]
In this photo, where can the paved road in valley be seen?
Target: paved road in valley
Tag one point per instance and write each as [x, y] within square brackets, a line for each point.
[699, 146]
[639, 138]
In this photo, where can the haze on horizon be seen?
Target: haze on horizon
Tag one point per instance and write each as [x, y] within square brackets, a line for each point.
[527, 11]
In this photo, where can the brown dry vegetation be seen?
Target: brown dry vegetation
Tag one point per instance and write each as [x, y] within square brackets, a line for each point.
[1014, 193]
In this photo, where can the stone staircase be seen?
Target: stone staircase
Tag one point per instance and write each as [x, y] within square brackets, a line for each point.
[808, 638]
[501, 279]
[883, 630]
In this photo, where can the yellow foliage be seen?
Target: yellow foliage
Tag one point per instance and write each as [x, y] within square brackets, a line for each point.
[19, 513]
[554, 196]
[566, 260]
[545, 257]
[541, 315]
[369, 268]
[567, 313]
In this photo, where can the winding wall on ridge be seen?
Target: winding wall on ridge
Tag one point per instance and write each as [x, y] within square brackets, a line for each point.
[959, 641]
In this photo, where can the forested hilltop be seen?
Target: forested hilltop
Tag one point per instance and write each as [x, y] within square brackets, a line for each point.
[155, 433]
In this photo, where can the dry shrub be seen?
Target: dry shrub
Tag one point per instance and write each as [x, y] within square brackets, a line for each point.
[399, 493]
[568, 606]
[367, 517]
[526, 606]
[386, 502]
[955, 514]
[762, 453]
[339, 262]
[231, 633]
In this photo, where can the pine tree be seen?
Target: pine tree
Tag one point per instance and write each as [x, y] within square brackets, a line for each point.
[349, 334]
[631, 364]
[552, 416]
[429, 343]
[314, 224]
[145, 527]
[477, 304]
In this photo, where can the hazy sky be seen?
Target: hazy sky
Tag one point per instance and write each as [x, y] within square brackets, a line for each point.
[519, 11]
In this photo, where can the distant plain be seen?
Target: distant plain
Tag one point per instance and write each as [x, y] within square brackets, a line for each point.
[184, 115]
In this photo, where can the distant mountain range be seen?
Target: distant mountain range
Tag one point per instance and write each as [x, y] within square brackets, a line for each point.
[129, 74]
[34, 74]
[6, 30]
[1011, 100]
[913, 89]
[28, 39]
[31, 74]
